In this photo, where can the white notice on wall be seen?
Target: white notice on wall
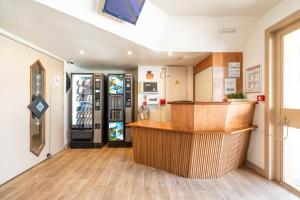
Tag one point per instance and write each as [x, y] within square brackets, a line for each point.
[234, 70]
[56, 80]
[152, 99]
[230, 85]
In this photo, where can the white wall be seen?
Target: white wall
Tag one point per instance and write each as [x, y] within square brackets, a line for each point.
[15, 62]
[163, 76]
[147, 31]
[200, 34]
[254, 54]
[157, 112]
[158, 31]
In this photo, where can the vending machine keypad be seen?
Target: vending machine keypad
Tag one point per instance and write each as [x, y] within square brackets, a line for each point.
[128, 92]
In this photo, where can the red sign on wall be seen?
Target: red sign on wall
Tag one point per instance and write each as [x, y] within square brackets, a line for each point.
[260, 98]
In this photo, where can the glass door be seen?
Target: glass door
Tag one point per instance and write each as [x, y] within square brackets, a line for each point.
[116, 123]
[82, 101]
[289, 87]
[116, 103]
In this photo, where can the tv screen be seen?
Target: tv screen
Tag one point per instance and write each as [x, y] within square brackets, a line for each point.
[127, 10]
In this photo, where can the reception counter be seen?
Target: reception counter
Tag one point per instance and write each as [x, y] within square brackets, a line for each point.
[203, 140]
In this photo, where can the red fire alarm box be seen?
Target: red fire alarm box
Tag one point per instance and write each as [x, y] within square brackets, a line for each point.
[260, 98]
[162, 102]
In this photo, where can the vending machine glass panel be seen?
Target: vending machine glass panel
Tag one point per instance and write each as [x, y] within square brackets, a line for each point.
[116, 84]
[116, 131]
[116, 115]
[116, 102]
[82, 101]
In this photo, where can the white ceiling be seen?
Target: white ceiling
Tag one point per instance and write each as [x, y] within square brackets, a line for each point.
[64, 36]
[251, 8]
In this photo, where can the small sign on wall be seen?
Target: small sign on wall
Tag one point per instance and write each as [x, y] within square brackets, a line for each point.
[56, 80]
[230, 85]
[149, 75]
[152, 99]
[234, 70]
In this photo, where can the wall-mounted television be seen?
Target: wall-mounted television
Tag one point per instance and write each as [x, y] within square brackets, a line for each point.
[127, 10]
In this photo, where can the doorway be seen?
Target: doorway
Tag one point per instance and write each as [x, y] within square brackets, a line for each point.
[287, 106]
[176, 86]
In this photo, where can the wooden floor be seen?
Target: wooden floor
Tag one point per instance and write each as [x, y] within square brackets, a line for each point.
[112, 174]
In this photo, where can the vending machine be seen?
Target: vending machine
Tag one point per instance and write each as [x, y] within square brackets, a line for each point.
[129, 105]
[88, 112]
[120, 109]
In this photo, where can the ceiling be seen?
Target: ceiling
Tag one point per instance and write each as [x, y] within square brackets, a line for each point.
[249, 8]
[64, 36]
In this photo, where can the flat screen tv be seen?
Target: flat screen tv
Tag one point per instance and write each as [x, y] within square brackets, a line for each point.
[127, 10]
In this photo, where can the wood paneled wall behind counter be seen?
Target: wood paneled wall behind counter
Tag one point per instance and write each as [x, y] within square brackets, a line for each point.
[221, 59]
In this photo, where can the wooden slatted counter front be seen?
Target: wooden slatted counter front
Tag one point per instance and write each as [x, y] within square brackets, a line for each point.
[193, 152]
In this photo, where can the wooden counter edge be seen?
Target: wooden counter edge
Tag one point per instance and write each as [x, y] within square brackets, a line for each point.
[212, 103]
[168, 127]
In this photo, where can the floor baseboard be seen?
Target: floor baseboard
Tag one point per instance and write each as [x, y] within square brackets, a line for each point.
[255, 168]
[30, 168]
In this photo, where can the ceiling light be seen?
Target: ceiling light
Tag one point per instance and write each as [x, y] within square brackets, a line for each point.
[129, 53]
[81, 52]
[170, 53]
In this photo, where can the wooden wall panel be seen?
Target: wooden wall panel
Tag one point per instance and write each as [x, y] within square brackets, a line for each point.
[204, 64]
[239, 116]
[221, 59]
[169, 151]
[206, 154]
[212, 117]
[182, 116]
[234, 152]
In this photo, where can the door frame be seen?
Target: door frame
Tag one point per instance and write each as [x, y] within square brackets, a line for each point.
[271, 62]
[279, 103]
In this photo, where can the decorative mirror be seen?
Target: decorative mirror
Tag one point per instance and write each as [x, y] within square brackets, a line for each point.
[38, 105]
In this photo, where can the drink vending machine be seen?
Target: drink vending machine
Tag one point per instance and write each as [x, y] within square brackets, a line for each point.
[120, 109]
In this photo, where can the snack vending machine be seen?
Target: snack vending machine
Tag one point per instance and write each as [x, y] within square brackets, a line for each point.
[88, 111]
[120, 98]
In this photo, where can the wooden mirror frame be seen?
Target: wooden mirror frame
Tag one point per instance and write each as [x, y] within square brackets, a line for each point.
[33, 149]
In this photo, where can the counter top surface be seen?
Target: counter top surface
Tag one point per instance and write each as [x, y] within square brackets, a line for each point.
[170, 127]
[211, 103]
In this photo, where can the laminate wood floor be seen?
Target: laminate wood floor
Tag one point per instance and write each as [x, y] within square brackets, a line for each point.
[110, 173]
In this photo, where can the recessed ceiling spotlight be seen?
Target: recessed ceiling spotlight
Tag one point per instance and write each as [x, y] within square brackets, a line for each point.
[129, 53]
[81, 52]
[170, 53]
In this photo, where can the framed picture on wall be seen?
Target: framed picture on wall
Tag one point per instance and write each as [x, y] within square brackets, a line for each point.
[253, 79]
